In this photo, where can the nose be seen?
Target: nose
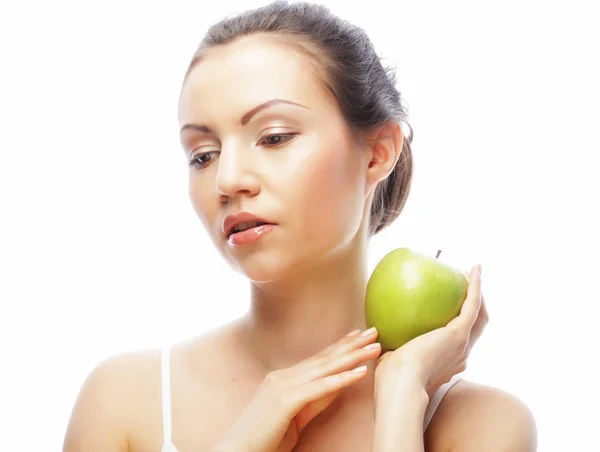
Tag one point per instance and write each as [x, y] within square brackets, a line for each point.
[235, 172]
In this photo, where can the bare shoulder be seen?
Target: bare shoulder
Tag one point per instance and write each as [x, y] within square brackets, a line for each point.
[119, 406]
[476, 417]
[99, 418]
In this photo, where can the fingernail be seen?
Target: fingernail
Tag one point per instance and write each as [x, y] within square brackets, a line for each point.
[353, 333]
[370, 346]
[360, 369]
[479, 268]
[369, 331]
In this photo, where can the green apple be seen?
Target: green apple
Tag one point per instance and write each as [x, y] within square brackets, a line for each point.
[409, 294]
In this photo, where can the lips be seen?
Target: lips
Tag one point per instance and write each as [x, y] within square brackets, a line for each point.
[246, 225]
[231, 221]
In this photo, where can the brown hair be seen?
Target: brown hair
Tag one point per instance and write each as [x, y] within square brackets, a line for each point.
[344, 59]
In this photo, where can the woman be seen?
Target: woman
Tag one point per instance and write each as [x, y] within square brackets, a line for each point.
[287, 114]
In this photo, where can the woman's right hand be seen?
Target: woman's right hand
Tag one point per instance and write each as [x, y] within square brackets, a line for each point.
[288, 399]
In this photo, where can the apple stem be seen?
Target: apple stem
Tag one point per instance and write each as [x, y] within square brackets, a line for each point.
[438, 254]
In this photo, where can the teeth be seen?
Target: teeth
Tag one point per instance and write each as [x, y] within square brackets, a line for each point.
[244, 226]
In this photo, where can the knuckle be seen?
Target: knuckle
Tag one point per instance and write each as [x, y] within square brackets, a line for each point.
[486, 315]
[344, 344]
[319, 357]
[279, 401]
[337, 344]
[279, 396]
[322, 361]
[331, 348]
[457, 335]
[352, 340]
[273, 378]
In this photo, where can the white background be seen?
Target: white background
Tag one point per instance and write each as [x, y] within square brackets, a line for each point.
[101, 252]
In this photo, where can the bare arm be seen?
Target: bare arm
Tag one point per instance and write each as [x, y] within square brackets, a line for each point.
[399, 417]
[97, 419]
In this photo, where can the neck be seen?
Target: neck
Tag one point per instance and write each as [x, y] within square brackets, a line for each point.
[295, 317]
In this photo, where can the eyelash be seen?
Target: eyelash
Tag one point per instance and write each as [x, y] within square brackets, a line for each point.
[194, 159]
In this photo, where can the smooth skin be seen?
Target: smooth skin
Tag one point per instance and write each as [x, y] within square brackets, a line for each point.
[281, 376]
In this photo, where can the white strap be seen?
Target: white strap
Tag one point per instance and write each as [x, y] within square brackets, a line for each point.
[165, 365]
[436, 400]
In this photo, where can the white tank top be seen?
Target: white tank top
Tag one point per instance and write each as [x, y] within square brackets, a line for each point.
[166, 400]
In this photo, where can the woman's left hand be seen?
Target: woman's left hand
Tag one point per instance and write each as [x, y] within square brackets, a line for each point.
[435, 357]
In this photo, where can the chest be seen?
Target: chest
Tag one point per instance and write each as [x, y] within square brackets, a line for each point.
[346, 427]
[200, 416]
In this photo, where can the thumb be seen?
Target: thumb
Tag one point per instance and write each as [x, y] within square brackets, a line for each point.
[312, 409]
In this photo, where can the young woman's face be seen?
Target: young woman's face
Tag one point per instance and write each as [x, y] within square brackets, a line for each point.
[311, 183]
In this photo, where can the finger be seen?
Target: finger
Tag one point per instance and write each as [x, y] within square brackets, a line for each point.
[334, 364]
[463, 322]
[479, 326]
[302, 419]
[312, 409]
[472, 304]
[349, 343]
[352, 340]
[322, 387]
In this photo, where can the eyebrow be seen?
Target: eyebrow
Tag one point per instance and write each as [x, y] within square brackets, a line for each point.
[247, 116]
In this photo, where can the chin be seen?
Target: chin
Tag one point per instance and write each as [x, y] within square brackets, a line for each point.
[259, 275]
[262, 267]
[272, 263]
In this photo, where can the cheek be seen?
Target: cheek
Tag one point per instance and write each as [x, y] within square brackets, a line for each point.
[331, 195]
[203, 202]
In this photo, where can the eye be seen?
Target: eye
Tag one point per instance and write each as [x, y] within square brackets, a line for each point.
[278, 138]
[271, 140]
[197, 161]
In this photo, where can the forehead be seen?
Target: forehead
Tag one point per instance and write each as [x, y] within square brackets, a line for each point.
[235, 77]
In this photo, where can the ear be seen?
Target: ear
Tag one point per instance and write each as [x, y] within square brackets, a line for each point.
[384, 149]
